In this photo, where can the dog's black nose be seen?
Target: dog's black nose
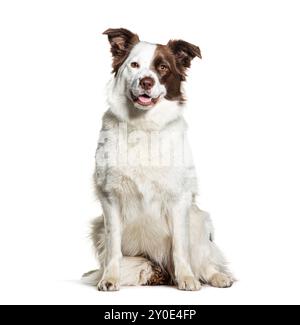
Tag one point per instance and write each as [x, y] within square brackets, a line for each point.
[147, 83]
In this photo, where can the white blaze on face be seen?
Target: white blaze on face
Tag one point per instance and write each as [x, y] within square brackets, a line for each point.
[142, 54]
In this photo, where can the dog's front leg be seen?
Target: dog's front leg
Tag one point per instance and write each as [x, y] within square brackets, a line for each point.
[110, 280]
[180, 245]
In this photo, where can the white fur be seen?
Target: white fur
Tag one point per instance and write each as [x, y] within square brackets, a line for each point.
[146, 182]
[134, 271]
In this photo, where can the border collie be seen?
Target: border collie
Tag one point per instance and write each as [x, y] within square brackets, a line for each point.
[151, 230]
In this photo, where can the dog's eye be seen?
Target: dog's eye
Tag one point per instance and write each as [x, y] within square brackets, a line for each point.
[163, 67]
[134, 65]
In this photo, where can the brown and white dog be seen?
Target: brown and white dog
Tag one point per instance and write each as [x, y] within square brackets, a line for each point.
[151, 230]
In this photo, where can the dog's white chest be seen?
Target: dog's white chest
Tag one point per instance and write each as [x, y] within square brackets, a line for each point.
[148, 162]
[147, 171]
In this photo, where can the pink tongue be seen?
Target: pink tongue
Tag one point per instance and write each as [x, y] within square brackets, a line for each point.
[144, 100]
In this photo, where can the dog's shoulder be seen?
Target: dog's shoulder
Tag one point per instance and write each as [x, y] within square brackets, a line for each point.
[109, 121]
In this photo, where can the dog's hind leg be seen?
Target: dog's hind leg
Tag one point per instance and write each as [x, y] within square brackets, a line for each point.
[98, 237]
[135, 270]
[208, 263]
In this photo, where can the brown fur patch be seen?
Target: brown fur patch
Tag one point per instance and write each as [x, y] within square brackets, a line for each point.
[172, 75]
[159, 276]
[170, 64]
[184, 52]
[121, 41]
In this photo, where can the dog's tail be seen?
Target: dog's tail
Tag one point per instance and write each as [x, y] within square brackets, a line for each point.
[92, 277]
[135, 270]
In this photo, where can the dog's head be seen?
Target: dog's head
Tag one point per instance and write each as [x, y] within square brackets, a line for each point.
[150, 72]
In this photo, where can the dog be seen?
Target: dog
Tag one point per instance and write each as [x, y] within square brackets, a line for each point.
[151, 231]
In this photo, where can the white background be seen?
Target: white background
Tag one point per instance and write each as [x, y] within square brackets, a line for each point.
[244, 116]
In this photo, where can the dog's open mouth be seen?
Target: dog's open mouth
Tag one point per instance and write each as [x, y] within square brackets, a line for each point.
[145, 100]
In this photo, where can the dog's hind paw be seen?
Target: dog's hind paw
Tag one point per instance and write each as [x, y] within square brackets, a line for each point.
[221, 280]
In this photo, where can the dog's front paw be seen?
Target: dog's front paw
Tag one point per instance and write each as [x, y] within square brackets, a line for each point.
[188, 283]
[108, 284]
[220, 280]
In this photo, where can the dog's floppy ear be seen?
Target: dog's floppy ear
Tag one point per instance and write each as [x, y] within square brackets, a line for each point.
[184, 52]
[121, 41]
